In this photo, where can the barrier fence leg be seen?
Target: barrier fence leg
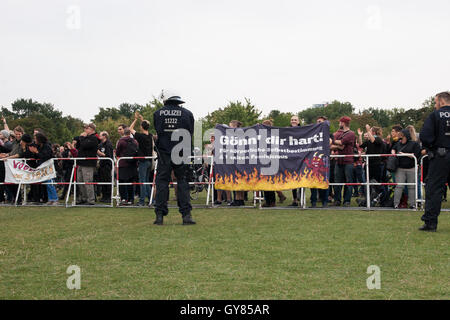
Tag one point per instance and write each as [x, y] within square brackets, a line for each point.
[18, 193]
[302, 198]
[415, 183]
[368, 201]
[112, 184]
[211, 180]
[70, 186]
[153, 184]
[117, 184]
[74, 202]
[212, 191]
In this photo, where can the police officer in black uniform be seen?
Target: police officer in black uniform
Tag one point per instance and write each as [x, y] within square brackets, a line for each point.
[435, 137]
[166, 120]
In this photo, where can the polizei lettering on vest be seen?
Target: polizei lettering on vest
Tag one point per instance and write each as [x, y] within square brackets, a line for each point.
[171, 113]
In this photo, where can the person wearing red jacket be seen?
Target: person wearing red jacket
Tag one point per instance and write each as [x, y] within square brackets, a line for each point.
[127, 168]
[344, 143]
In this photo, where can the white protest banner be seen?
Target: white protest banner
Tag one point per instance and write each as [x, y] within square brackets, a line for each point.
[17, 171]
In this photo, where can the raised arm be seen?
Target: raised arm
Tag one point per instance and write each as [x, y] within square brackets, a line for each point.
[136, 115]
[360, 133]
[5, 124]
[369, 134]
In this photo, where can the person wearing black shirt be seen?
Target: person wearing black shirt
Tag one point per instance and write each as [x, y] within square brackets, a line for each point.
[323, 193]
[42, 152]
[5, 148]
[87, 148]
[435, 137]
[168, 120]
[393, 138]
[105, 150]
[145, 140]
[406, 167]
[23, 152]
[372, 145]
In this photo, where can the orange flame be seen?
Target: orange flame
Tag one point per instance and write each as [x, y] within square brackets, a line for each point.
[282, 181]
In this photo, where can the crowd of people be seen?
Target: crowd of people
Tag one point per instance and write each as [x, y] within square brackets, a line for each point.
[349, 166]
[98, 154]
[135, 174]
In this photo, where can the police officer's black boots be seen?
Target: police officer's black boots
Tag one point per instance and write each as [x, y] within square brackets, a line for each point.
[159, 219]
[428, 228]
[187, 219]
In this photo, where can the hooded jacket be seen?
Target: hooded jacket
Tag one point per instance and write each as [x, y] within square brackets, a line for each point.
[409, 147]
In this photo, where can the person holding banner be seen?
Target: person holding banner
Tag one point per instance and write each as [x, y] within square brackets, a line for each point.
[269, 196]
[295, 192]
[323, 193]
[238, 195]
[14, 153]
[42, 152]
[5, 148]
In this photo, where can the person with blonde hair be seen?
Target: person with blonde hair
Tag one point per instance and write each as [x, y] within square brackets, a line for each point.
[412, 133]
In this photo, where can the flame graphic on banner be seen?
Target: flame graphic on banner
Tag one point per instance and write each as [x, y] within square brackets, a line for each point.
[309, 178]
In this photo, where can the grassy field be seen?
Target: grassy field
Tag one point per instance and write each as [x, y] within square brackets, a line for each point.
[229, 254]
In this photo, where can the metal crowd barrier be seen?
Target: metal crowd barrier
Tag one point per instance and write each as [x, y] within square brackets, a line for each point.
[367, 184]
[210, 183]
[73, 181]
[118, 184]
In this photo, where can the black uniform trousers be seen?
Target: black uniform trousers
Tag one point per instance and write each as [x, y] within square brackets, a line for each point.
[270, 197]
[439, 169]
[104, 173]
[164, 169]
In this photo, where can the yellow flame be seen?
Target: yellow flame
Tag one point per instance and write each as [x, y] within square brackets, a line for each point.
[254, 181]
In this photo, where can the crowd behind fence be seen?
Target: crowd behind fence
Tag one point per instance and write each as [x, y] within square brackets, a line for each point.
[204, 181]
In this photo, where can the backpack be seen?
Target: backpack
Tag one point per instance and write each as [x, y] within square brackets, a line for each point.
[131, 151]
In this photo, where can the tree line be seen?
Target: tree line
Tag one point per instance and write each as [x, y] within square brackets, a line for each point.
[31, 114]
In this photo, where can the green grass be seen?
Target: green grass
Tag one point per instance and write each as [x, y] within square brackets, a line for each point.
[229, 254]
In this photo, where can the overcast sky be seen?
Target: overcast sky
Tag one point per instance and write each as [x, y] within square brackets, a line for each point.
[286, 54]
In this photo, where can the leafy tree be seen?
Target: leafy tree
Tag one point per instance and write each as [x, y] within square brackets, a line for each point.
[246, 113]
[280, 119]
[125, 110]
[429, 104]
[31, 114]
[109, 119]
[333, 110]
[381, 116]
